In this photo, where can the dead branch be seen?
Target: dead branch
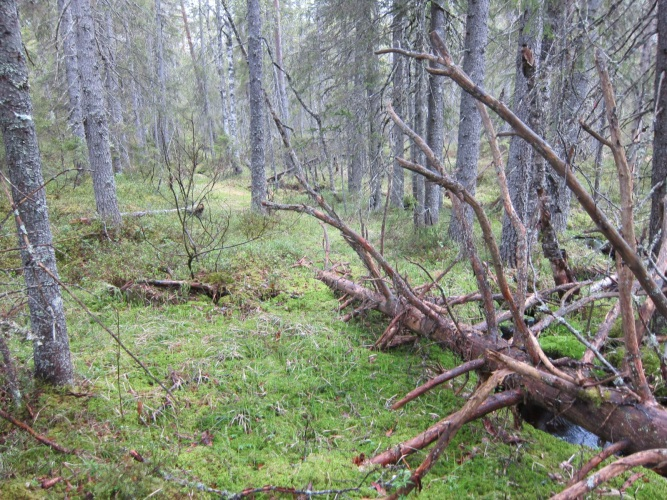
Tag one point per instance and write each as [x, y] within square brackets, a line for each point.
[455, 422]
[610, 450]
[603, 332]
[650, 458]
[44, 440]
[492, 403]
[517, 225]
[389, 333]
[532, 346]
[593, 133]
[458, 190]
[632, 260]
[466, 367]
[633, 357]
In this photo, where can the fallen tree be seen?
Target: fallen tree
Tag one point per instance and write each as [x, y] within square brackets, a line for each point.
[618, 406]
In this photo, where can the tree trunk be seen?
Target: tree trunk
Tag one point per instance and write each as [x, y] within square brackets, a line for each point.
[281, 88]
[435, 122]
[95, 118]
[258, 182]
[51, 353]
[75, 116]
[120, 158]
[220, 67]
[231, 93]
[418, 125]
[660, 138]
[398, 98]
[163, 134]
[519, 164]
[470, 123]
[200, 76]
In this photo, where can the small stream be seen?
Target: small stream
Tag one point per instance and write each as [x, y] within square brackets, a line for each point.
[560, 427]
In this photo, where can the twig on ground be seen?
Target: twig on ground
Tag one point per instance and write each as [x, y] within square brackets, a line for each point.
[44, 440]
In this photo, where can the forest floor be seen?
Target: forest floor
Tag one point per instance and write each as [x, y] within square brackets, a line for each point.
[268, 385]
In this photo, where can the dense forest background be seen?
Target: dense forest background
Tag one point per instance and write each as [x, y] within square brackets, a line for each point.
[180, 140]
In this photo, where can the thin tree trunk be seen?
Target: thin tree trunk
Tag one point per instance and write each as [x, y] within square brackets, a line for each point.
[470, 123]
[163, 134]
[95, 118]
[435, 122]
[398, 97]
[660, 126]
[120, 158]
[220, 67]
[75, 116]
[258, 182]
[51, 352]
[283, 104]
[419, 126]
[200, 75]
[231, 80]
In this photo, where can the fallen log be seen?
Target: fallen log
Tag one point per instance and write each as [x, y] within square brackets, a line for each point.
[613, 414]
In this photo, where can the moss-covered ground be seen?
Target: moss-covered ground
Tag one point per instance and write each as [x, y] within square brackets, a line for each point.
[268, 386]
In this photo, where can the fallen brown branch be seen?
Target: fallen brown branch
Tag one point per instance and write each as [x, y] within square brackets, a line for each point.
[492, 403]
[597, 460]
[44, 440]
[469, 366]
[649, 458]
[454, 423]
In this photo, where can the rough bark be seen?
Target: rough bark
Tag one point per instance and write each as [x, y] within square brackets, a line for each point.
[220, 67]
[256, 96]
[659, 173]
[75, 116]
[95, 118]
[398, 98]
[418, 124]
[50, 341]
[435, 122]
[520, 161]
[470, 123]
[120, 158]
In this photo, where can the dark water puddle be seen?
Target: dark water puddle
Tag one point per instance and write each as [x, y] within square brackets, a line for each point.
[560, 427]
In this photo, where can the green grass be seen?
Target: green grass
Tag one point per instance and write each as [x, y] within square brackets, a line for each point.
[269, 386]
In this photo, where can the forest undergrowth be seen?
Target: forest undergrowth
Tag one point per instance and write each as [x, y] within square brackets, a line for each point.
[267, 384]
